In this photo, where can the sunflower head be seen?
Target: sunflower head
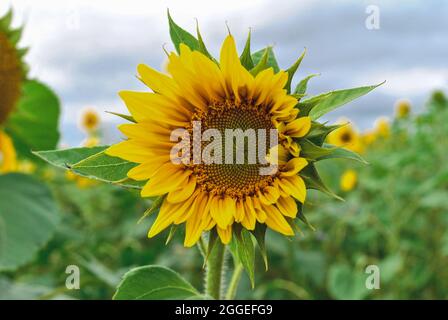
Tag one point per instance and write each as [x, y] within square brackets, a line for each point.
[382, 127]
[89, 120]
[347, 136]
[349, 180]
[8, 159]
[225, 145]
[402, 109]
[12, 69]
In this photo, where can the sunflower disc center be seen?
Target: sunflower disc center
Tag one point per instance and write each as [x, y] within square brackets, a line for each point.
[236, 180]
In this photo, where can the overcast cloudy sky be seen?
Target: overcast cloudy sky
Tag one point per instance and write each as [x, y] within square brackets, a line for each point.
[88, 50]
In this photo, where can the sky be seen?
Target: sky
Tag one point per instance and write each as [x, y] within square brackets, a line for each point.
[87, 51]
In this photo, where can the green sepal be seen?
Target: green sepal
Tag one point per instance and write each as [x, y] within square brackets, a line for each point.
[246, 58]
[342, 153]
[301, 216]
[212, 239]
[326, 102]
[245, 251]
[310, 151]
[305, 106]
[319, 132]
[260, 234]
[179, 35]
[271, 61]
[15, 35]
[303, 84]
[292, 70]
[6, 20]
[262, 63]
[313, 181]
[123, 116]
[202, 48]
[173, 230]
[155, 205]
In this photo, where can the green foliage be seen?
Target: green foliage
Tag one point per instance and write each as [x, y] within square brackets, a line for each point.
[28, 219]
[271, 62]
[34, 123]
[92, 163]
[154, 283]
[326, 102]
[179, 35]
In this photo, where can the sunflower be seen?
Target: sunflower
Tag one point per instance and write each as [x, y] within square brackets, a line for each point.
[346, 136]
[8, 161]
[349, 180]
[12, 70]
[220, 96]
[382, 127]
[89, 120]
[402, 109]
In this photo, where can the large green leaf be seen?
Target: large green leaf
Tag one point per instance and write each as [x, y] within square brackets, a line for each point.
[335, 99]
[154, 283]
[92, 163]
[28, 219]
[342, 153]
[34, 123]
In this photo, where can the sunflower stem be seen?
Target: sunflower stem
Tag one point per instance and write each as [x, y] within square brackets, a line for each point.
[214, 273]
[233, 285]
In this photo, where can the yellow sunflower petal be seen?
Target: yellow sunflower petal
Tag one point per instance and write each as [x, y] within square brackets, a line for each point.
[287, 206]
[294, 186]
[225, 234]
[299, 127]
[276, 221]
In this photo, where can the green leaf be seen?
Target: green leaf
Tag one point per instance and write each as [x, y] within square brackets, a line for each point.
[28, 219]
[154, 283]
[202, 48]
[66, 158]
[179, 35]
[345, 283]
[258, 56]
[336, 99]
[292, 70]
[314, 181]
[260, 234]
[246, 58]
[303, 84]
[306, 106]
[93, 163]
[261, 64]
[34, 122]
[246, 252]
[342, 153]
[311, 151]
[319, 132]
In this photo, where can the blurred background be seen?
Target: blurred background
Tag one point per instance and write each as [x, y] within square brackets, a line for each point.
[88, 50]
[395, 214]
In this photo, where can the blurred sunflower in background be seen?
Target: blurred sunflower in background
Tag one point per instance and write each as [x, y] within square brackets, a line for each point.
[402, 108]
[347, 136]
[349, 179]
[382, 127]
[224, 96]
[89, 120]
